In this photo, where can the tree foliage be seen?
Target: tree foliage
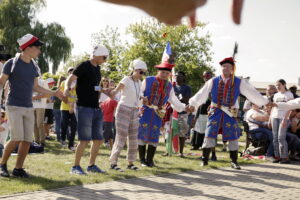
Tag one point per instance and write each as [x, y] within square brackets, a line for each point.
[18, 17]
[149, 37]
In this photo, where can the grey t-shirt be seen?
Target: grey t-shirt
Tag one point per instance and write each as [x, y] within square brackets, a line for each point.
[21, 82]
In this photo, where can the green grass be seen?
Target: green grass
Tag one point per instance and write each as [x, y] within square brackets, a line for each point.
[51, 169]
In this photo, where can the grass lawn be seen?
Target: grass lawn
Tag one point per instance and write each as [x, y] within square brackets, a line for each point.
[51, 169]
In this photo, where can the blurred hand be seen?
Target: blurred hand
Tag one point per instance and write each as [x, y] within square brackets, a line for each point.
[58, 94]
[171, 11]
[190, 109]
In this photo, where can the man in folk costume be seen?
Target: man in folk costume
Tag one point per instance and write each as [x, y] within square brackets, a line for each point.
[224, 91]
[158, 91]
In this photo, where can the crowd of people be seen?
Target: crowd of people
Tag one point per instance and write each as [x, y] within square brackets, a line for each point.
[136, 111]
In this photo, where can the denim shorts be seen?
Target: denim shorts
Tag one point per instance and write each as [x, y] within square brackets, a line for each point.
[89, 123]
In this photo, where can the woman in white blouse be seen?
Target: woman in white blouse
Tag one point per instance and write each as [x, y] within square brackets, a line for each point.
[127, 121]
[278, 121]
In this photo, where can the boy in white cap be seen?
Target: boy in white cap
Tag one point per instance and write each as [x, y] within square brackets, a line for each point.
[127, 117]
[22, 72]
[89, 115]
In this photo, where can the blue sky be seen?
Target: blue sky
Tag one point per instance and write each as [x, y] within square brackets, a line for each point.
[269, 37]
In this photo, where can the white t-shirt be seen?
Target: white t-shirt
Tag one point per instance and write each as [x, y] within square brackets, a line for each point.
[103, 97]
[281, 97]
[250, 120]
[40, 103]
[4, 134]
[130, 95]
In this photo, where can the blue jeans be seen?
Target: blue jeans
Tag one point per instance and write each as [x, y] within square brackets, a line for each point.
[293, 142]
[68, 119]
[90, 125]
[57, 118]
[261, 133]
[279, 138]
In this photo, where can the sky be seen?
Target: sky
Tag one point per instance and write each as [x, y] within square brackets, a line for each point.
[268, 38]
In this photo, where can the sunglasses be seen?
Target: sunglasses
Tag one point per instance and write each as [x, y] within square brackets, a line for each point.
[142, 73]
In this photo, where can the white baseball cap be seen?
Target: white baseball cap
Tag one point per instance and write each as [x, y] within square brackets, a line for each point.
[138, 64]
[27, 40]
[100, 50]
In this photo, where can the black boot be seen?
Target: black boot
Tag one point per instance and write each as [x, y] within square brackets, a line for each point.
[181, 146]
[142, 152]
[150, 155]
[205, 156]
[213, 156]
[193, 140]
[200, 139]
[234, 157]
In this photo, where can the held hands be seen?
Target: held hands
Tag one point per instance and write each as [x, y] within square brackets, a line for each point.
[189, 109]
[271, 104]
[58, 94]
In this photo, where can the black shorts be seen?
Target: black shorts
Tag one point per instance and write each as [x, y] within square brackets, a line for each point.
[48, 119]
[108, 131]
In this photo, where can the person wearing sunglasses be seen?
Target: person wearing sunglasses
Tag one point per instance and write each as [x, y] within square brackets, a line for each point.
[89, 115]
[127, 115]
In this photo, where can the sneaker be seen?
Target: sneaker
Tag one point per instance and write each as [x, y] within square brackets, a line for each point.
[285, 161]
[115, 167]
[63, 144]
[276, 160]
[48, 138]
[270, 158]
[4, 171]
[235, 165]
[203, 163]
[77, 170]
[20, 173]
[95, 169]
[213, 158]
[132, 167]
[72, 148]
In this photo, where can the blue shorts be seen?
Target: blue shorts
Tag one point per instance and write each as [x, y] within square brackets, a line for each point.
[89, 123]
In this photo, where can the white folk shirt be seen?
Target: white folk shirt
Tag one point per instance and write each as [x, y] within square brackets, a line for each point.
[173, 99]
[246, 89]
[290, 105]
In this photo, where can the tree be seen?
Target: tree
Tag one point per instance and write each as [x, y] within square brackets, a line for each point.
[110, 37]
[18, 17]
[57, 45]
[73, 61]
[191, 51]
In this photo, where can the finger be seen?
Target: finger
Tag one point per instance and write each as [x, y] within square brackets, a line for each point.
[192, 19]
[237, 6]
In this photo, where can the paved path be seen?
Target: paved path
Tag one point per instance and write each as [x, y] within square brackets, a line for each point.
[260, 181]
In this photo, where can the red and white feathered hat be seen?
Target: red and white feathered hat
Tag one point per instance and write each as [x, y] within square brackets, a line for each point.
[28, 40]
